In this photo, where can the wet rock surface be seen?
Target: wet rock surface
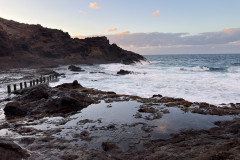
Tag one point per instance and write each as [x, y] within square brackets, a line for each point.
[124, 72]
[42, 101]
[11, 151]
[221, 142]
[75, 68]
[73, 122]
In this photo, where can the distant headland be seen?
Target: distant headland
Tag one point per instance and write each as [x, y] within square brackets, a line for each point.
[24, 45]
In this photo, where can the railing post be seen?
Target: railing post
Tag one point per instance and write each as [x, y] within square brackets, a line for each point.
[21, 86]
[9, 89]
[32, 83]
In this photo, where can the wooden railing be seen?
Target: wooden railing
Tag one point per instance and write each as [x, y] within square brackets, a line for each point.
[31, 83]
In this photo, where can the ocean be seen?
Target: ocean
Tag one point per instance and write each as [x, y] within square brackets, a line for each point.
[214, 78]
[202, 78]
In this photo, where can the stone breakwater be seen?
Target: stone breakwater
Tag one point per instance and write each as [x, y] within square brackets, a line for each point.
[73, 122]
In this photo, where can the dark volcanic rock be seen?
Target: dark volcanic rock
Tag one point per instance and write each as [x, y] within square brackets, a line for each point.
[124, 72]
[14, 109]
[75, 68]
[157, 96]
[36, 93]
[43, 100]
[11, 151]
[23, 45]
[114, 140]
[68, 86]
[107, 146]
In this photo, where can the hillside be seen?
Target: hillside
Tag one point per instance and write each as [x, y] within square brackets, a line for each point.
[24, 45]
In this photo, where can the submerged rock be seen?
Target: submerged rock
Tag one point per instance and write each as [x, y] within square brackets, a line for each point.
[124, 72]
[108, 146]
[75, 68]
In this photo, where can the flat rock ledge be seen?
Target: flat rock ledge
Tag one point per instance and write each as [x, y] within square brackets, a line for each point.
[36, 103]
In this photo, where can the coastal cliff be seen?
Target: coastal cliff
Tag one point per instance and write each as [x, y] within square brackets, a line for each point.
[24, 45]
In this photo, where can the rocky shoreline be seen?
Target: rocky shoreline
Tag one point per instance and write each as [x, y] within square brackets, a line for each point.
[70, 121]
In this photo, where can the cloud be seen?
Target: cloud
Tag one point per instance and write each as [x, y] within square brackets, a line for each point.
[156, 14]
[235, 43]
[94, 5]
[112, 29]
[123, 33]
[227, 40]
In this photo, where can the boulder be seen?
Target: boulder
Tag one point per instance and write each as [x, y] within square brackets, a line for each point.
[65, 103]
[14, 109]
[74, 85]
[75, 68]
[108, 146]
[43, 100]
[124, 72]
[36, 93]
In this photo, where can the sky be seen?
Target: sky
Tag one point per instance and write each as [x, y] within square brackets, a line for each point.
[142, 26]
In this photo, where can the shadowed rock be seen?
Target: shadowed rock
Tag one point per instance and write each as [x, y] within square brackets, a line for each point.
[14, 109]
[124, 72]
[108, 146]
[75, 68]
[11, 151]
[43, 100]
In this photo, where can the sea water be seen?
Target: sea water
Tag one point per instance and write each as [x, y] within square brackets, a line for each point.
[212, 78]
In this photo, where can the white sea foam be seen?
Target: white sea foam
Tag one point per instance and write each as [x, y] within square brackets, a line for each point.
[215, 84]
[192, 83]
[195, 69]
[141, 62]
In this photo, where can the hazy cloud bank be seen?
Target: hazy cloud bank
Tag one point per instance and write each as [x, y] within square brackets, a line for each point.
[226, 41]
